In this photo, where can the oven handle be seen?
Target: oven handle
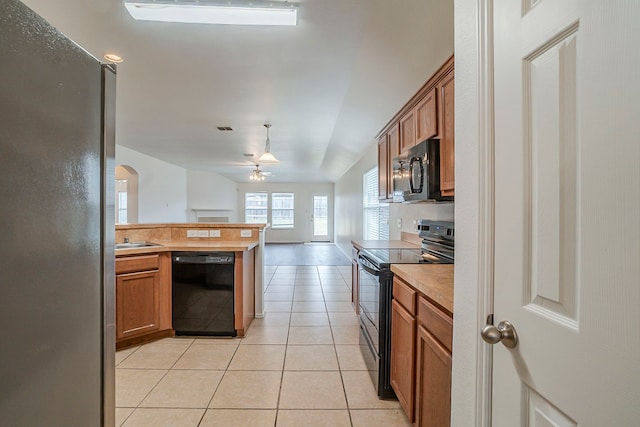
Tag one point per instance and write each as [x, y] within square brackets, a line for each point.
[363, 261]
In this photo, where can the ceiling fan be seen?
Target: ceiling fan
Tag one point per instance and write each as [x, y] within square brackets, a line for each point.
[258, 174]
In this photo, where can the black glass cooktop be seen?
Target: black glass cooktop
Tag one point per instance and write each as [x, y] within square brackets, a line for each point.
[382, 257]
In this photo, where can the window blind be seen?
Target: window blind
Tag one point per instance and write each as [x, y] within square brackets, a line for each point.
[255, 208]
[375, 214]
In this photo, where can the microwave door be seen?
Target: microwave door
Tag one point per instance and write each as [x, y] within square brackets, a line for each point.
[416, 175]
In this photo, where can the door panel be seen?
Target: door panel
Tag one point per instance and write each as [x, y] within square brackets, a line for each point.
[567, 203]
[321, 218]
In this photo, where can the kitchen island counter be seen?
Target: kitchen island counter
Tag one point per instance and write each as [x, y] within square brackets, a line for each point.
[190, 245]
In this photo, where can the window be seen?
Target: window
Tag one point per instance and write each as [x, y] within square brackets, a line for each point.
[121, 201]
[375, 214]
[255, 208]
[282, 210]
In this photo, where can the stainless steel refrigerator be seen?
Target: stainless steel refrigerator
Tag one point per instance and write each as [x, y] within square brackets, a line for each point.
[56, 227]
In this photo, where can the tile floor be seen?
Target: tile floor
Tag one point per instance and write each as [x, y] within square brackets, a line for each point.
[300, 365]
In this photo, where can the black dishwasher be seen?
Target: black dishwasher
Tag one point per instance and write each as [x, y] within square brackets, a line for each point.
[203, 293]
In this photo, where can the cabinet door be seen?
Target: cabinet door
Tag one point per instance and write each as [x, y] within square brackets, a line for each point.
[403, 331]
[407, 132]
[433, 381]
[393, 144]
[426, 116]
[137, 303]
[447, 136]
[383, 168]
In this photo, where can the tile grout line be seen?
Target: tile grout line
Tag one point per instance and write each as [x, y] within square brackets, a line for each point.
[284, 361]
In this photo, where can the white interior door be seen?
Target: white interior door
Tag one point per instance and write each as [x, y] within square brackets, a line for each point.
[567, 212]
[320, 218]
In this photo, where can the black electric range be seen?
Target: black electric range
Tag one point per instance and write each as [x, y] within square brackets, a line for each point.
[376, 290]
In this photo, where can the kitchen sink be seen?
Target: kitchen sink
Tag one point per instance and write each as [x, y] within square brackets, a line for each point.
[131, 245]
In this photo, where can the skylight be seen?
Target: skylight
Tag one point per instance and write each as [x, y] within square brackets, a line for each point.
[229, 13]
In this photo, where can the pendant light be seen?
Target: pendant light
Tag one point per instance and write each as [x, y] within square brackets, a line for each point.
[267, 157]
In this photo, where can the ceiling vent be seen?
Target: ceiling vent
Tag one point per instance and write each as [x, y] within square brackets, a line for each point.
[224, 128]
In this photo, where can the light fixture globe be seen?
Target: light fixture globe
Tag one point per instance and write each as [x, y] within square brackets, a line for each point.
[267, 157]
[256, 174]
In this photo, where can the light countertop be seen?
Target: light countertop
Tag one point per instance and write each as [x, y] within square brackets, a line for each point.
[191, 245]
[194, 225]
[433, 280]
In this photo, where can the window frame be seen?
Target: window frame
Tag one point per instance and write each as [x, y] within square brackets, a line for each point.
[375, 215]
[253, 220]
[292, 209]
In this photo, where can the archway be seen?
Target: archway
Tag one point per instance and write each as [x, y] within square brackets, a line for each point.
[126, 195]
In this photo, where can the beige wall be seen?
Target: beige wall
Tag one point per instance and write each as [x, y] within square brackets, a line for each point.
[348, 201]
[303, 198]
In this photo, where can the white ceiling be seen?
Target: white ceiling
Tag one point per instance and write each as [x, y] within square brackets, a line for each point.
[327, 86]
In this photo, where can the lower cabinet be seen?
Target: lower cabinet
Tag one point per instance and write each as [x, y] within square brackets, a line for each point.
[403, 332]
[143, 298]
[421, 338]
[137, 303]
[433, 381]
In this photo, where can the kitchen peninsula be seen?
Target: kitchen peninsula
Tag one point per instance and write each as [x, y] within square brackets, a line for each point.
[143, 273]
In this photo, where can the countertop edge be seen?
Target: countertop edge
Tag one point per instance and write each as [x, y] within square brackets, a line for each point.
[196, 246]
[194, 225]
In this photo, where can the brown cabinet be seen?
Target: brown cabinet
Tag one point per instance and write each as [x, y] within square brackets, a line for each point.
[383, 167]
[407, 131]
[426, 116]
[137, 303]
[388, 148]
[447, 134]
[143, 297]
[433, 381]
[403, 332]
[245, 296]
[421, 338]
[433, 365]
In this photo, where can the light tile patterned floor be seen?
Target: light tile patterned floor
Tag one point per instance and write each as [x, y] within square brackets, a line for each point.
[298, 366]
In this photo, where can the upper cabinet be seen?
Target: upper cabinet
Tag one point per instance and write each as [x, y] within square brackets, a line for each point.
[447, 134]
[388, 148]
[407, 131]
[428, 114]
[383, 167]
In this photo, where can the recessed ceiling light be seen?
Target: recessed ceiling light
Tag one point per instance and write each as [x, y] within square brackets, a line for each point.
[112, 57]
[229, 13]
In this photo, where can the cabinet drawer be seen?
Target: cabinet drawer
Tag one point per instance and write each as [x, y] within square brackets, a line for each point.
[404, 295]
[436, 321]
[137, 263]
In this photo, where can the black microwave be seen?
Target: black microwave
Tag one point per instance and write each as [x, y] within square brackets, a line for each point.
[416, 174]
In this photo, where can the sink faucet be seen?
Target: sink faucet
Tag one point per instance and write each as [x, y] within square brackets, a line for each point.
[126, 240]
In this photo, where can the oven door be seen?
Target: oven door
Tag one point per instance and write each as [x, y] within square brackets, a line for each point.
[369, 299]
[375, 327]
